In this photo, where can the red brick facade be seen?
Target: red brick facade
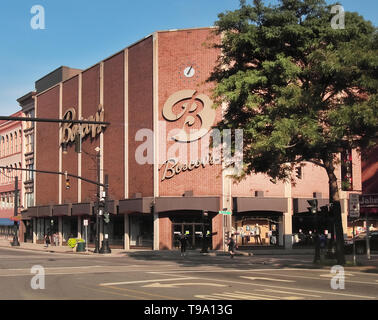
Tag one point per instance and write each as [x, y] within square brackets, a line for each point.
[133, 86]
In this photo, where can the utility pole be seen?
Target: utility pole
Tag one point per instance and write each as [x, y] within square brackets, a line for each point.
[105, 242]
[15, 242]
[97, 244]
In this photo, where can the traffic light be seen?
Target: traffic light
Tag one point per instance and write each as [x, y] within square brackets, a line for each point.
[106, 217]
[67, 183]
[314, 206]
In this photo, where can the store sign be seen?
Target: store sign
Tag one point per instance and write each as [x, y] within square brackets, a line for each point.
[190, 104]
[369, 201]
[70, 130]
[172, 167]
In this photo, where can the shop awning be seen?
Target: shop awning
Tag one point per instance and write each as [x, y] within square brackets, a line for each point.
[165, 204]
[6, 222]
[246, 204]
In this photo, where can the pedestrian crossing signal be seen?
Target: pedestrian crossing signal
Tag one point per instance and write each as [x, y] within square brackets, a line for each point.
[68, 184]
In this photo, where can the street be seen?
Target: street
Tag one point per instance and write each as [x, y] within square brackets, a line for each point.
[140, 276]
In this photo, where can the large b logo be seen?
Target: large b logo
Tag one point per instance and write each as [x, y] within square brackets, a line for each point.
[206, 115]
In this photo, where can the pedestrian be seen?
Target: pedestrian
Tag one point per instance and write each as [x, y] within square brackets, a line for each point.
[231, 246]
[56, 239]
[47, 240]
[257, 234]
[183, 242]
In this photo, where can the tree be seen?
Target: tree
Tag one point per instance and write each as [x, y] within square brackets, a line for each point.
[300, 90]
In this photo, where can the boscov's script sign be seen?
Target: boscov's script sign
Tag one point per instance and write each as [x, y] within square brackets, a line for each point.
[70, 130]
[206, 115]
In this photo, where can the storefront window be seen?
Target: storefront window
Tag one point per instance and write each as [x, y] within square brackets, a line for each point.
[69, 228]
[141, 230]
[116, 230]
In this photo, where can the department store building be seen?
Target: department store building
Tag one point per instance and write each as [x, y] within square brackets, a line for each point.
[160, 180]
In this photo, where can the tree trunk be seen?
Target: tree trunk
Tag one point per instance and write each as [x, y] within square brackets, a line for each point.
[335, 210]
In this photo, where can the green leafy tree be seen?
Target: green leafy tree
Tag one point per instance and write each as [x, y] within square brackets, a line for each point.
[300, 90]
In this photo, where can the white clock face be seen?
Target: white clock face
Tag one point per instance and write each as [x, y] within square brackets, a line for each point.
[189, 71]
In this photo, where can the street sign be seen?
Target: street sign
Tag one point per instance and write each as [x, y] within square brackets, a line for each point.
[354, 205]
[85, 222]
[225, 212]
[369, 201]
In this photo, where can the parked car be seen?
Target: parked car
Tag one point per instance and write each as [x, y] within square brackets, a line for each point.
[360, 241]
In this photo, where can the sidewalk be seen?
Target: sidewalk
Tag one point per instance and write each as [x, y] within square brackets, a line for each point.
[116, 252]
[364, 264]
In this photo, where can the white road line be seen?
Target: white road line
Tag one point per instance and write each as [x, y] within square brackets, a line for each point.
[266, 279]
[289, 288]
[321, 277]
[209, 297]
[145, 281]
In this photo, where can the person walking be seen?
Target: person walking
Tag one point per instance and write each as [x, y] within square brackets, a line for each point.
[257, 234]
[183, 242]
[47, 241]
[231, 246]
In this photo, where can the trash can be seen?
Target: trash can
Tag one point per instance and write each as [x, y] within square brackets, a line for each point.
[80, 247]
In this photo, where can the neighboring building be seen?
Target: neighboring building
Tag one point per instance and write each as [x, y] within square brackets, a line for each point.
[11, 157]
[26, 102]
[370, 189]
[146, 91]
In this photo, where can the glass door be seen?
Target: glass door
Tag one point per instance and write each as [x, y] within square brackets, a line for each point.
[177, 232]
[189, 232]
[198, 236]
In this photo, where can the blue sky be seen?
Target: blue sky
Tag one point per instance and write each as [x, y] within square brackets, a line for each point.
[80, 33]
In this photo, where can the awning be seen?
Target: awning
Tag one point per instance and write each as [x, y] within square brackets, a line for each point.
[6, 222]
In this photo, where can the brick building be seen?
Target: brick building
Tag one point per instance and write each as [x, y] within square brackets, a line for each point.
[11, 144]
[160, 180]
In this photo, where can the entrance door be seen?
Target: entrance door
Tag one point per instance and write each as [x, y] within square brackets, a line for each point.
[193, 232]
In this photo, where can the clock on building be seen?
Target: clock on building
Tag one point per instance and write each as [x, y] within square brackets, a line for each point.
[189, 72]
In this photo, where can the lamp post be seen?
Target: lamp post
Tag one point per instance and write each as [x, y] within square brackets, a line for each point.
[105, 242]
[15, 242]
[97, 244]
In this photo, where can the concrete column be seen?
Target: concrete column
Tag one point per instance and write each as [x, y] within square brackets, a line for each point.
[126, 243]
[34, 230]
[280, 231]
[60, 230]
[344, 217]
[156, 230]
[79, 233]
[287, 230]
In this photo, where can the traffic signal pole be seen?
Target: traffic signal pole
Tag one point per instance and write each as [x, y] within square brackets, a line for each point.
[15, 242]
[105, 242]
[97, 244]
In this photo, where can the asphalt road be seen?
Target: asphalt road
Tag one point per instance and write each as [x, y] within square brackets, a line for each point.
[194, 277]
